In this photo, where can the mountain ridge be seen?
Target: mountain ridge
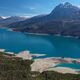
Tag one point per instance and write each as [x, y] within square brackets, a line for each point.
[64, 20]
[4, 20]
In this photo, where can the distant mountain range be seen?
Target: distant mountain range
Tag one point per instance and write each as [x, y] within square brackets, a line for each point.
[64, 19]
[9, 20]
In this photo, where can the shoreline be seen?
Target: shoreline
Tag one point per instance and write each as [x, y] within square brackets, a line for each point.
[36, 33]
[66, 59]
[43, 34]
[48, 63]
[57, 35]
[64, 70]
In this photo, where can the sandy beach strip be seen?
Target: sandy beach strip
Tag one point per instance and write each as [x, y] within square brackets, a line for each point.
[37, 55]
[26, 55]
[2, 50]
[63, 70]
[41, 65]
[50, 64]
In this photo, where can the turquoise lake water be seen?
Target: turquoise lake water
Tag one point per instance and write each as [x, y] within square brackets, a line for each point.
[71, 65]
[52, 46]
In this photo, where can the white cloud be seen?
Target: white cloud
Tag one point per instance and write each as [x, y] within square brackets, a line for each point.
[29, 7]
[78, 6]
[4, 17]
[32, 8]
[26, 16]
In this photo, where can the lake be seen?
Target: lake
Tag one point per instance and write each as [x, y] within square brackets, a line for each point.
[71, 65]
[52, 46]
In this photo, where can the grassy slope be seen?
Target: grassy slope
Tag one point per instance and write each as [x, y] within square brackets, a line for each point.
[12, 68]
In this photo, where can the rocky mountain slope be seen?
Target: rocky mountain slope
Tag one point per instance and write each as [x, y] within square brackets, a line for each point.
[9, 20]
[64, 19]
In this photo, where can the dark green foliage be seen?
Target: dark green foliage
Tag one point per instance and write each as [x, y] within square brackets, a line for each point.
[12, 68]
[50, 75]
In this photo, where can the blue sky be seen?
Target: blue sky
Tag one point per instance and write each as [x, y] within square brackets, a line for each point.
[30, 7]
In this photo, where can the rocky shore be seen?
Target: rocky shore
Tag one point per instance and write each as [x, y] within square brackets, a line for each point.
[46, 64]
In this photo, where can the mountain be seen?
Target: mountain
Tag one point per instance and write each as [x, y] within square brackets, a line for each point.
[64, 19]
[66, 11]
[1, 18]
[9, 20]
